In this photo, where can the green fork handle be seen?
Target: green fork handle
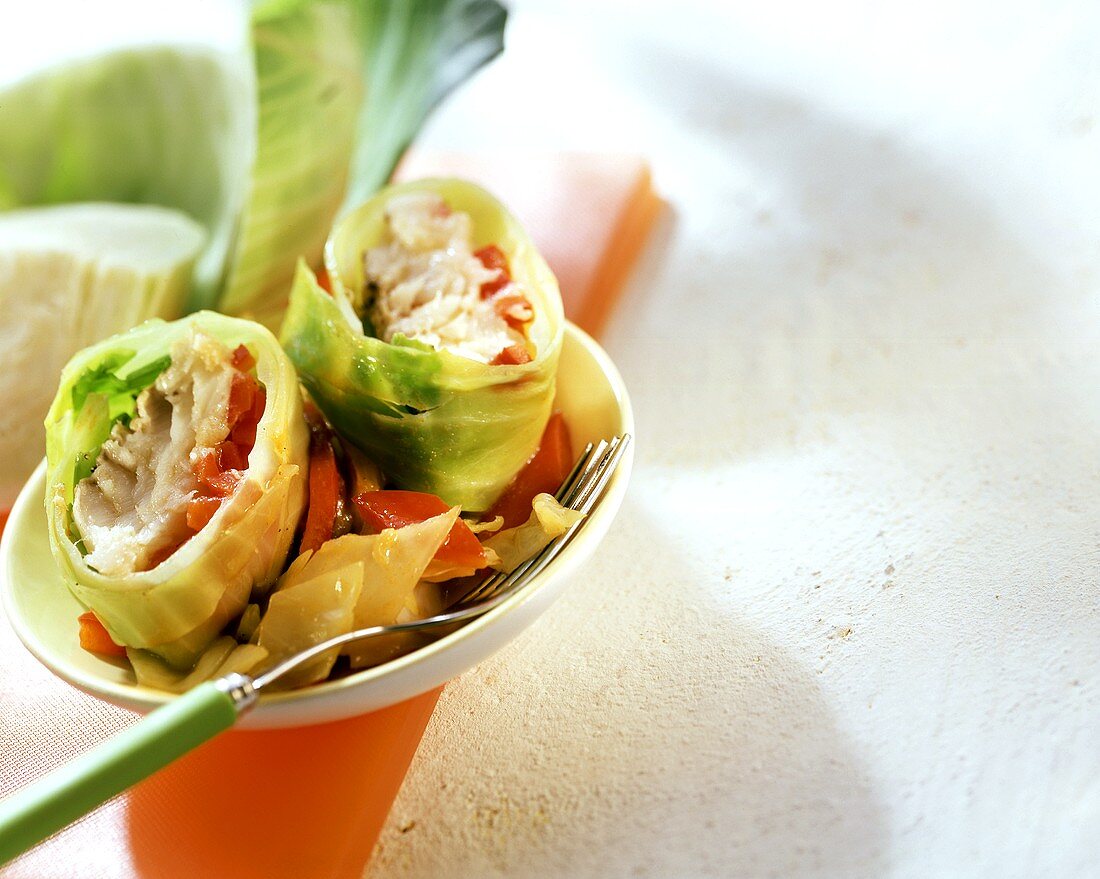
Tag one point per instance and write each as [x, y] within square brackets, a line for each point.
[30, 815]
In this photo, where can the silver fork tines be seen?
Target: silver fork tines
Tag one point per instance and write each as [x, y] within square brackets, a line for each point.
[585, 477]
[581, 490]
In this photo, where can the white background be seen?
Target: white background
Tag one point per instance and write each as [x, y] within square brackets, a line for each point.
[847, 623]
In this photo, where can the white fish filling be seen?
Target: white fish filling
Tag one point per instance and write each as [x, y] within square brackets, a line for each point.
[133, 507]
[428, 282]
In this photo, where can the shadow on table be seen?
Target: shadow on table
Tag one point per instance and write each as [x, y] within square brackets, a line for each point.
[644, 728]
[864, 275]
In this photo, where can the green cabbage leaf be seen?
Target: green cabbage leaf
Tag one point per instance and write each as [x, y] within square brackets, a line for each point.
[259, 142]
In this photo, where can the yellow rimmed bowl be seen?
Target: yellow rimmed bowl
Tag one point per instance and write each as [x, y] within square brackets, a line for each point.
[42, 611]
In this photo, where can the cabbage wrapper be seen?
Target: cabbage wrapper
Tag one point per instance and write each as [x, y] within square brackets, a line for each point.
[176, 609]
[353, 582]
[434, 421]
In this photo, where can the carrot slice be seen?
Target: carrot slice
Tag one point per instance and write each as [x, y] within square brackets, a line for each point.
[324, 493]
[545, 472]
[396, 509]
[94, 637]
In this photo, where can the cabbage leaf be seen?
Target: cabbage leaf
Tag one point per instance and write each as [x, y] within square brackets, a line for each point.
[259, 142]
[353, 582]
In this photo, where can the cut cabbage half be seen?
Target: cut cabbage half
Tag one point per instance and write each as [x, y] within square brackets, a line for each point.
[253, 135]
[70, 275]
[164, 125]
[176, 608]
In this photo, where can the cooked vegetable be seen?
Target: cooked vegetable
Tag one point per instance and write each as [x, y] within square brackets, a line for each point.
[435, 421]
[460, 555]
[353, 582]
[549, 519]
[94, 638]
[69, 276]
[324, 493]
[224, 656]
[255, 138]
[142, 425]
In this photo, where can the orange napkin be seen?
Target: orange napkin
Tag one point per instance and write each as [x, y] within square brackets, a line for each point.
[309, 801]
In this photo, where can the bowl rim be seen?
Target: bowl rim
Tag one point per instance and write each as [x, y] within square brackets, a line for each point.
[144, 699]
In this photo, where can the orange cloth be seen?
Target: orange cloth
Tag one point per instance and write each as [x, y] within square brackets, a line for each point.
[309, 801]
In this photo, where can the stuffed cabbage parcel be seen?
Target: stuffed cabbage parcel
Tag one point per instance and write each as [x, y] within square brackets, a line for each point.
[177, 460]
[437, 349]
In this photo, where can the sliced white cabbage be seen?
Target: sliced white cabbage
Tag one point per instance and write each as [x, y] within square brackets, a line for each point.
[353, 582]
[71, 275]
[224, 656]
[305, 613]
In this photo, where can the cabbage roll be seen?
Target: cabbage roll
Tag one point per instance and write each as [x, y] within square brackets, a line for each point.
[177, 458]
[437, 348]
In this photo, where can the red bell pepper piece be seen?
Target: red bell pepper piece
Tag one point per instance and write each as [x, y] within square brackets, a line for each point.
[201, 510]
[545, 472]
[242, 359]
[396, 509]
[511, 356]
[492, 257]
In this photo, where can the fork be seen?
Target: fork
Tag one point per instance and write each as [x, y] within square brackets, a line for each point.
[30, 815]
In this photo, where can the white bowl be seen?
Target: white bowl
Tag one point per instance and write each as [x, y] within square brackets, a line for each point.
[43, 612]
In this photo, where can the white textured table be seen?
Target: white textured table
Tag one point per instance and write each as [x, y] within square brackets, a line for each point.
[847, 623]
